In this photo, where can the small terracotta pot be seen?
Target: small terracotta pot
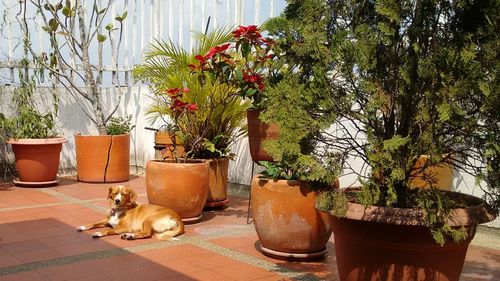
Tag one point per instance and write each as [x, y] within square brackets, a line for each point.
[103, 158]
[217, 193]
[376, 243]
[182, 187]
[288, 225]
[258, 132]
[164, 146]
[441, 175]
[37, 160]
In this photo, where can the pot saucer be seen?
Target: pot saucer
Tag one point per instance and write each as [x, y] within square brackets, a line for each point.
[17, 182]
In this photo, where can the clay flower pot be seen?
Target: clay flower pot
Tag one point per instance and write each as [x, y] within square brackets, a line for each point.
[103, 158]
[377, 243]
[37, 160]
[441, 175]
[164, 146]
[182, 187]
[218, 174]
[258, 132]
[288, 225]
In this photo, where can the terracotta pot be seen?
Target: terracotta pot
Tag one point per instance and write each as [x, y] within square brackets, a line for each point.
[103, 158]
[288, 225]
[377, 243]
[182, 187]
[37, 160]
[218, 174]
[441, 175]
[258, 132]
[164, 147]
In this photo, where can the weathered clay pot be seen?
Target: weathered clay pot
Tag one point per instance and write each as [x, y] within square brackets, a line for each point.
[218, 174]
[182, 187]
[441, 175]
[288, 225]
[377, 243]
[164, 146]
[258, 132]
[37, 160]
[103, 158]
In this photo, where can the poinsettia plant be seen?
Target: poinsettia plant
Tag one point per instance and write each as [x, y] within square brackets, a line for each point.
[179, 109]
[243, 64]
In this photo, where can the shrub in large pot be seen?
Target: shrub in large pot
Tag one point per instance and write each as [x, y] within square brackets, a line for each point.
[217, 122]
[407, 78]
[79, 71]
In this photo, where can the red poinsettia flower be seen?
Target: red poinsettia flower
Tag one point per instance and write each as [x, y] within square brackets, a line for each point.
[250, 32]
[192, 107]
[216, 50]
[252, 78]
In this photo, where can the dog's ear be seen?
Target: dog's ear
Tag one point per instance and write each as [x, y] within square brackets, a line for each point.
[110, 190]
[133, 196]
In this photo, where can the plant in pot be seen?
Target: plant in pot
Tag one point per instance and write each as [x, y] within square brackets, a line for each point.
[72, 64]
[32, 135]
[404, 79]
[206, 131]
[243, 63]
[283, 196]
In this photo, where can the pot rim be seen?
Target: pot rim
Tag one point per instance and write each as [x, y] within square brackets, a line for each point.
[54, 140]
[90, 136]
[188, 161]
[476, 214]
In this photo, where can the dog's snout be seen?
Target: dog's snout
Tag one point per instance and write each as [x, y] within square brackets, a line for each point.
[117, 200]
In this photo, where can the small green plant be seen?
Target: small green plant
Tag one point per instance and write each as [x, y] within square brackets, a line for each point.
[119, 125]
[27, 122]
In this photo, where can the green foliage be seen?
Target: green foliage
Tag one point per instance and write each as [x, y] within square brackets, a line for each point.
[28, 122]
[219, 118]
[414, 77]
[296, 97]
[334, 202]
[119, 125]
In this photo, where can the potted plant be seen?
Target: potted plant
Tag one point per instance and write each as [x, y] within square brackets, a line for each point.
[243, 65]
[32, 135]
[209, 128]
[283, 196]
[405, 79]
[74, 30]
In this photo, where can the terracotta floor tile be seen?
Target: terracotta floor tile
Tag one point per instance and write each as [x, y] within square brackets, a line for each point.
[244, 272]
[18, 196]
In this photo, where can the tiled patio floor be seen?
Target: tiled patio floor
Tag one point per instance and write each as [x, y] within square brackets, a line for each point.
[38, 241]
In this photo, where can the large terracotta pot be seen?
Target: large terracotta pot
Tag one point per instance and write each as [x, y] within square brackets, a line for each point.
[182, 187]
[164, 146]
[440, 175]
[376, 243]
[288, 225]
[37, 160]
[258, 132]
[103, 158]
[218, 174]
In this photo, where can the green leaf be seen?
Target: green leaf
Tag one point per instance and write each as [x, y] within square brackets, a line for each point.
[53, 24]
[101, 38]
[124, 16]
[238, 74]
[66, 11]
[109, 26]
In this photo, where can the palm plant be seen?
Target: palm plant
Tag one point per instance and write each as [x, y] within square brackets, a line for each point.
[219, 116]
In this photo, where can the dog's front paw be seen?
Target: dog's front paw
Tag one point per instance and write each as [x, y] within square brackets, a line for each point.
[97, 235]
[81, 228]
[127, 236]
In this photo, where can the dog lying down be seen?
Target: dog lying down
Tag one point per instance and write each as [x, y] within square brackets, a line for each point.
[134, 221]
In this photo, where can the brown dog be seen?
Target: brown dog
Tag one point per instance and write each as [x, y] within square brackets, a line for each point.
[134, 221]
